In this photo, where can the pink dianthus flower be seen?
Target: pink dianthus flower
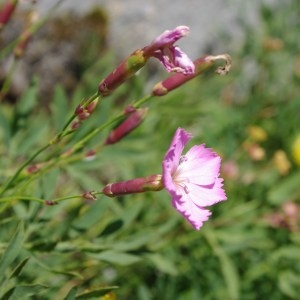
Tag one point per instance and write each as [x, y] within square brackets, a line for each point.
[192, 179]
[171, 56]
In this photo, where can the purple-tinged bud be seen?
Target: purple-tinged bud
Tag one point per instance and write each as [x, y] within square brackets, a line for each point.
[7, 11]
[83, 110]
[90, 155]
[129, 124]
[50, 202]
[89, 195]
[22, 44]
[138, 185]
[26, 35]
[201, 65]
[123, 72]
[75, 125]
[129, 109]
[33, 169]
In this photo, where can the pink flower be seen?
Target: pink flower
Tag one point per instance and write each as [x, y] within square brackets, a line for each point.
[192, 179]
[172, 58]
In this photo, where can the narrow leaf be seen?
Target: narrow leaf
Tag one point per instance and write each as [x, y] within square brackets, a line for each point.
[71, 294]
[112, 227]
[96, 293]
[19, 268]
[162, 263]
[12, 250]
[119, 258]
[25, 291]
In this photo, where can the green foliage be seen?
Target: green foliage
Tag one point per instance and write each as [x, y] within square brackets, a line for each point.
[138, 246]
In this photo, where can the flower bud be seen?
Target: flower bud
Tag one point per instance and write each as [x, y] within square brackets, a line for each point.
[6, 12]
[83, 110]
[50, 202]
[123, 72]
[138, 185]
[134, 119]
[90, 155]
[90, 195]
[31, 169]
[26, 35]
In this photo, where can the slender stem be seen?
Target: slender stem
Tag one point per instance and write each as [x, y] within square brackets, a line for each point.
[39, 200]
[26, 198]
[57, 200]
[138, 103]
[80, 144]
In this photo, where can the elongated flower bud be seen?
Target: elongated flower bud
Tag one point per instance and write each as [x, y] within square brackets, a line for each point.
[134, 119]
[138, 185]
[123, 72]
[26, 34]
[201, 65]
[7, 11]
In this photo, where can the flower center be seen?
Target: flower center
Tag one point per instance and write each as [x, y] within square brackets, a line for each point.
[177, 177]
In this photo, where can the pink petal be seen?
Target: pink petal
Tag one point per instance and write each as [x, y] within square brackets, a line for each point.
[207, 195]
[174, 152]
[169, 37]
[194, 214]
[200, 166]
[182, 63]
[175, 60]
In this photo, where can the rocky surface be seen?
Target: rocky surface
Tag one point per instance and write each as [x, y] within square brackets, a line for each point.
[133, 23]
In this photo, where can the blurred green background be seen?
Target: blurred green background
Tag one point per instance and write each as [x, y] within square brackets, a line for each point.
[249, 249]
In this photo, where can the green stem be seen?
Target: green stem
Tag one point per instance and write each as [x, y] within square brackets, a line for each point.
[26, 198]
[138, 103]
[57, 200]
[81, 143]
[39, 200]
